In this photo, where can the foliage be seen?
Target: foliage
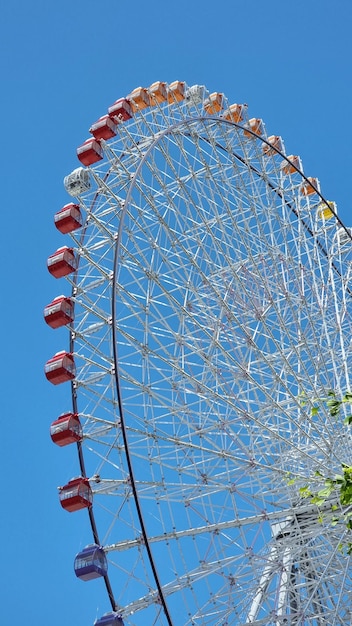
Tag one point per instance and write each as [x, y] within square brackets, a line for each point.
[341, 484]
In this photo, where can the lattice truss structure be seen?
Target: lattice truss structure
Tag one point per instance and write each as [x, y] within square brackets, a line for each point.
[212, 293]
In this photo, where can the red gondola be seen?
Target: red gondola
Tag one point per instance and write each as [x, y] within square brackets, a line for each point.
[121, 110]
[76, 495]
[69, 218]
[60, 368]
[66, 429]
[59, 312]
[103, 128]
[90, 152]
[62, 262]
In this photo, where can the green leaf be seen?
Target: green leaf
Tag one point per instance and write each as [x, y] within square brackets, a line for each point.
[330, 483]
[325, 493]
[318, 501]
[346, 496]
[334, 407]
[305, 492]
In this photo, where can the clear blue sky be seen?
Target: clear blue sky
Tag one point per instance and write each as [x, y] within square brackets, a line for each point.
[61, 65]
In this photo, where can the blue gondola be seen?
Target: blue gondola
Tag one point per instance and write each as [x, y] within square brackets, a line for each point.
[91, 563]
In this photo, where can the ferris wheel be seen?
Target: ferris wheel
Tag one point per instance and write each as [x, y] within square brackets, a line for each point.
[209, 291]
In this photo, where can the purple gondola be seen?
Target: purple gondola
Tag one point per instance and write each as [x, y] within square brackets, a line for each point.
[91, 563]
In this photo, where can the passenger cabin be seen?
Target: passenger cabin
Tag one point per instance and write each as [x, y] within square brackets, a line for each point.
[90, 152]
[327, 210]
[69, 218]
[176, 92]
[214, 103]
[109, 619]
[139, 99]
[104, 128]
[310, 186]
[76, 495]
[256, 126]
[121, 110]
[291, 165]
[77, 182]
[234, 113]
[344, 238]
[62, 262]
[66, 429]
[158, 93]
[60, 368]
[275, 143]
[91, 563]
[195, 95]
[59, 312]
